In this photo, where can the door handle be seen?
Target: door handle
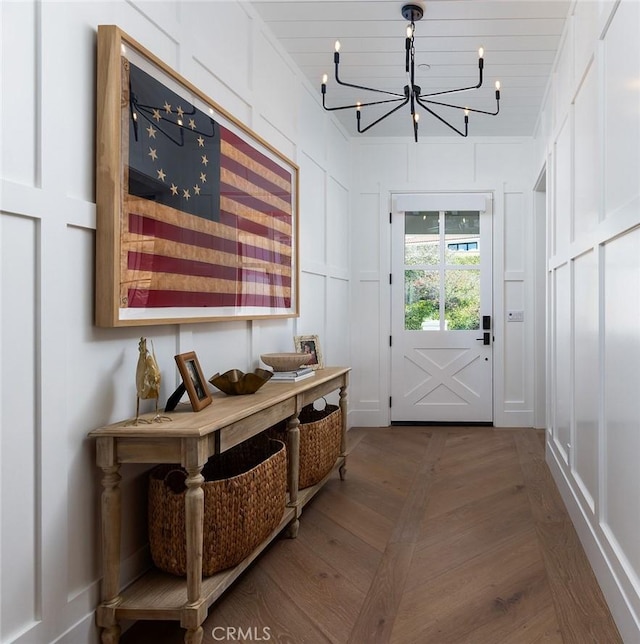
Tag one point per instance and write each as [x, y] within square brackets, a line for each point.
[486, 338]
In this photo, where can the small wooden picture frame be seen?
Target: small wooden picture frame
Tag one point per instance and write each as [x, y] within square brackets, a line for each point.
[310, 344]
[194, 380]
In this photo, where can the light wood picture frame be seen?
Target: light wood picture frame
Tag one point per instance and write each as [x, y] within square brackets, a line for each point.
[310, 344]
[197, 216]
[194, 380]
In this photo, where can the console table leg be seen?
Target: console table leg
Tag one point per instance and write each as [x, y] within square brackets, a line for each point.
[111, 511]
[194, 636]
[293, 474]
[111, 634]
[194, 519]
[343, 441]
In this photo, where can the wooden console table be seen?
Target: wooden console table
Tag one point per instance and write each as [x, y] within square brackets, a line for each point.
[190, 439]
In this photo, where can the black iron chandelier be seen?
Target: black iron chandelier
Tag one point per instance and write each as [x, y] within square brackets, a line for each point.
[412, 93]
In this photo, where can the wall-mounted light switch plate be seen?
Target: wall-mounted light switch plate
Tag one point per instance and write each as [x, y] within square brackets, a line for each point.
[515, 316]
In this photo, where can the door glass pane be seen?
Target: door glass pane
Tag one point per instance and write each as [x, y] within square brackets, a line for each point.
[462, 237]
[462, 299]
[421, 238]
[421, 300]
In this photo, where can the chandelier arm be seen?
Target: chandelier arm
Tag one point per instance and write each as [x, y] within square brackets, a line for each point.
[442, 120]
[461, 89]
[368, 89]
[356, 105]
[465, 108]
[384, 116]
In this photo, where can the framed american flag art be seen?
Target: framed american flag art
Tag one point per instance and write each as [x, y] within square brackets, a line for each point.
[197, 217]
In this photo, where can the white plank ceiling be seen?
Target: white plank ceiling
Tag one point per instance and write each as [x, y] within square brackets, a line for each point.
[520, 39]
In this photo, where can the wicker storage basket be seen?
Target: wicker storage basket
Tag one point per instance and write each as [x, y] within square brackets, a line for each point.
[244, 501]
[320, 440]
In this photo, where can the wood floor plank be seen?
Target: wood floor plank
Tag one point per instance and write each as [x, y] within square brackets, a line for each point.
[540, 628]
[258, 602]
[324, 594]
[488, 513]
[582, 611]
[377, 616]
[340, 547]
[486, 589]
[449, 494]
[439, 535]
[445, 554]
[367, 524]
[376, 619]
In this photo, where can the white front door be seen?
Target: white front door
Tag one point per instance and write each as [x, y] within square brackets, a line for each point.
[441, 309]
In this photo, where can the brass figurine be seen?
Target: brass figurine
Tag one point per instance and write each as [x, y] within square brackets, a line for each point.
[147, 382]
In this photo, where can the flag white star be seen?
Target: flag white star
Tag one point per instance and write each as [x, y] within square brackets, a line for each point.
[152, 132]
[192, 124]
[200, 142]
[179, 111]
[156, 115]
[153, 154]
[204, 159]
[167, 107]
[203, 177]
[161, 174]
[186, 195]
[174, 189]
[196, 189]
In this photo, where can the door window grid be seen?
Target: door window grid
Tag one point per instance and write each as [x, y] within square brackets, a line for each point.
[442, 276]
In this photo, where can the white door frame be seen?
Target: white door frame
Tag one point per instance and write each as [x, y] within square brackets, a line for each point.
[472, 201]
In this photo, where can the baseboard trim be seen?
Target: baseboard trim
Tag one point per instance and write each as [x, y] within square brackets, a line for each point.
[434, 423]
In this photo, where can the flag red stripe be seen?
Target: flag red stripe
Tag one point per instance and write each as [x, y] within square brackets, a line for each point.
[150, 227]
[254, 178]
[250, 201]
[246, 225]
[150, 298]
[252, 153]
[175, 265]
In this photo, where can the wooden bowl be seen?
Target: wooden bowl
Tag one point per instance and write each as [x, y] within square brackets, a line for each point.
[285, 361]
[236, 383]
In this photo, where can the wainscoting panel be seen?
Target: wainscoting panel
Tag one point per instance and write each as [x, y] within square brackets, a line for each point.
[562, 357]
[587, 173]
[620, 98]
[20, 463]
[586, 368]
[313, 233]
[621, 399]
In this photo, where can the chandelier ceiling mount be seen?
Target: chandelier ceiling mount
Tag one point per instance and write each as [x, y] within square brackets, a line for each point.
[412, 94]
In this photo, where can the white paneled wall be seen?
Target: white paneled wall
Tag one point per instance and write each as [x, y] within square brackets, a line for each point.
[20, 440]
[502, 168]
[61, 376]
[589, 140]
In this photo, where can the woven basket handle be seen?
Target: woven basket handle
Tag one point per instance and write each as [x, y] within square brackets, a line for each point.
[313, 404]
[175, 480]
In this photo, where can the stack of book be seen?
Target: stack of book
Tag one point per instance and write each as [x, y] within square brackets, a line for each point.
[292, 376]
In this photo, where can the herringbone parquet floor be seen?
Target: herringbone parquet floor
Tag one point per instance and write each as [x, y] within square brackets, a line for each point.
[437, 536]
